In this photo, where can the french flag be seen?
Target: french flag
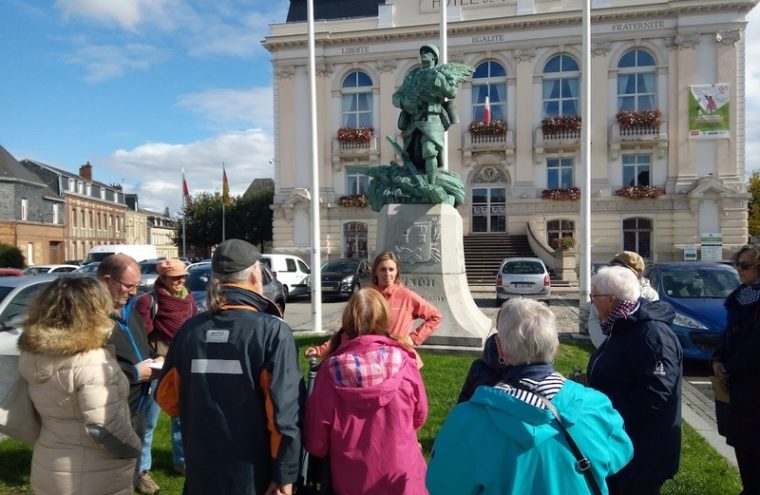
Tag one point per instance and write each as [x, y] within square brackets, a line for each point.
[487, 111]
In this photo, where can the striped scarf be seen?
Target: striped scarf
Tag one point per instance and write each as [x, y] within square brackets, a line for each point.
[623, 309]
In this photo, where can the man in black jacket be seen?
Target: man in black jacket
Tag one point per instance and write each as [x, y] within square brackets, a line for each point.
[121, 275]
[232, 376]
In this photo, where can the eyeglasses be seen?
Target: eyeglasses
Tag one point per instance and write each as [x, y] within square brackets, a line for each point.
[594, 296]
[744, 265]
[130, 286]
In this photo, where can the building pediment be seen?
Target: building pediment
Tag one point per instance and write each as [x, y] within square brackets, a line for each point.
[710, 185]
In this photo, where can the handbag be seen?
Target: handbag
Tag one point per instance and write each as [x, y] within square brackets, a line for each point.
[18, 417]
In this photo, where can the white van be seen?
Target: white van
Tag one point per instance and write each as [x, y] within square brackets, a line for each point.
[291, 271]
[139, 252]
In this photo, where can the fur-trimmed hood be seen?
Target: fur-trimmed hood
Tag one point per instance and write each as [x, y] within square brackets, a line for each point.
[62, 341]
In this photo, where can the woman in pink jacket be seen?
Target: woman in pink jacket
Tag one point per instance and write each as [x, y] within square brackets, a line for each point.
[406, 306]
[367, 404]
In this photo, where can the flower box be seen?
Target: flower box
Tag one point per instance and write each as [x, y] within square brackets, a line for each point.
[562, 194]
[355, 134]
[356, 200]
[638, 118]
[640, 192]
[561, 125]
[494, 128]
[562, 243]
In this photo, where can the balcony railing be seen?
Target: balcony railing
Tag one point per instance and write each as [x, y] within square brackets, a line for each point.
[481, 143]
[558, 140]
[655, 136]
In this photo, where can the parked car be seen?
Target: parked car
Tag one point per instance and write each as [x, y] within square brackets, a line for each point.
[15, 294]
[291, 270]
[148, 274]
[522, 277]
[343, 277]
[199, 264]
[73, 262]
[89, 268]
[697, 291]
[41, 269]
[11, 272]
[198, 278]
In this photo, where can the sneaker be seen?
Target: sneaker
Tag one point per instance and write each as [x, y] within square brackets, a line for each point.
[145, 485]
[180, 469]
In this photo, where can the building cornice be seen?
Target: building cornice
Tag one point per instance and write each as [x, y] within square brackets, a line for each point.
[463, 28]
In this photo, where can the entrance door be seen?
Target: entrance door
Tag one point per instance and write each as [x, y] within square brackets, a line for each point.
[489, 209]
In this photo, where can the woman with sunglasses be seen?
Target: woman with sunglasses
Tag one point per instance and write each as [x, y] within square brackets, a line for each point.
[736, 365]
[163, 310]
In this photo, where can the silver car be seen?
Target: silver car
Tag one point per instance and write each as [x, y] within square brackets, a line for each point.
[15, 294]
[522, 277]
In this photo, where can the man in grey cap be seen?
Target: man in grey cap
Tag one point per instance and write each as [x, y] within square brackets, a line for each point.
[232, 376]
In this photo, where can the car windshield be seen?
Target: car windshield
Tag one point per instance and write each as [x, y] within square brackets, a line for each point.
[91, 268]
[36, 270]
[4, 291]
[148, 268]
[197, 280]
[523, 268]
[340, 267]
[690, 282]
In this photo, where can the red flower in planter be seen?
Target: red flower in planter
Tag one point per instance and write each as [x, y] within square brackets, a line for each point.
[638, 118]
[562, 194]
[640, 192]
[355, 134]
[495, 128]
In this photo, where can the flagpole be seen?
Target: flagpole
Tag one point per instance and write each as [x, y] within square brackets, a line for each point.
[444, 59]
[184, 214]
[585, 202]
[224, 232]
[316, 242]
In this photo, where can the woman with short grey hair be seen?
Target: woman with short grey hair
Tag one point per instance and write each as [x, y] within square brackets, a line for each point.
[507, 439]
[639, 367]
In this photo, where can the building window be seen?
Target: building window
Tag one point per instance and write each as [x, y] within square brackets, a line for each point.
[356, 181]
[637, 77]
[356, 100]
[55, 214]
[560, 86]
[489, 79]
[88, 189]
[30, 253]
[72, 185]
[556, 229]
[636, 169]
[80, 187]
[355, 240]
[637, 236]
[559, 173]
[24, 209]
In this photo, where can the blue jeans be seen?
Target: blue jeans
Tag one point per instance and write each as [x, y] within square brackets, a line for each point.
[153, 411]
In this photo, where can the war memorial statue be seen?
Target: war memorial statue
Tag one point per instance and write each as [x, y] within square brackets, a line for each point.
[416, 201]
[427, 110]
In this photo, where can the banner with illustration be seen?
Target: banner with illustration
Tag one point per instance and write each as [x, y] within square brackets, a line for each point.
[709, 106]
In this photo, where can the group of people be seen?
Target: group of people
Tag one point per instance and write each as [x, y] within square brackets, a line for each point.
[229, 377]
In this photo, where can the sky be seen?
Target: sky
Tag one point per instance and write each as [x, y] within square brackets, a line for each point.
[141, 88]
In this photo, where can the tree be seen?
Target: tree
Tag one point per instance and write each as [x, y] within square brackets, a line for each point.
[247, 217]
[753, 187]
[11, 257]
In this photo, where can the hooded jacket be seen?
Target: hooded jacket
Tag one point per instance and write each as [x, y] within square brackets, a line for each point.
[86, 443]
[640, 367]
[486, 370]
[367, 403]
[233, 378]
[496, 444]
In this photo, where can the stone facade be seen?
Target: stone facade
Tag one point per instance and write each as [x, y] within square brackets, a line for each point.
[646, 55]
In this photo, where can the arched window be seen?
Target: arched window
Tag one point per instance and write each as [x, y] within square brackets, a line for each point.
[556, 229]
[355, 240]
[637, 78]
[356, 100]
[637, 236]
[489, 79]
[560, 86]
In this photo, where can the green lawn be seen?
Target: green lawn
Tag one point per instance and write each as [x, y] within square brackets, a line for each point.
[703, 470]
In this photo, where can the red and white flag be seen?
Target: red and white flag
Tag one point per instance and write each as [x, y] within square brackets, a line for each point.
[186, 192]
[487, 111]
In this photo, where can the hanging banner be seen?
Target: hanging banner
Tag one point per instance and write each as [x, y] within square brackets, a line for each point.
[709, 106]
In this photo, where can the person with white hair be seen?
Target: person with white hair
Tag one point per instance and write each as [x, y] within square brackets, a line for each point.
[639, 367]
[511, 437]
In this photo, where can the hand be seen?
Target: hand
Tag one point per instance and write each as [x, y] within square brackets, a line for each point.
[310, 352]
[720, 372]
[275, 489]
[144, 370]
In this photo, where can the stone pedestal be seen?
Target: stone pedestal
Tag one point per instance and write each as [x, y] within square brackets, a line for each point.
[428, 241]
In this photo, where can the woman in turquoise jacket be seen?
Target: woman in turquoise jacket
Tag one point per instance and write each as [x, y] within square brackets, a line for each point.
[506, 441]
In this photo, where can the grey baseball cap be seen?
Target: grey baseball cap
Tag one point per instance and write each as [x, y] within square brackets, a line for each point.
[233, 256]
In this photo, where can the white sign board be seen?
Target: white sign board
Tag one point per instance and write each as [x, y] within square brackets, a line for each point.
[712, 246]
[690, 252]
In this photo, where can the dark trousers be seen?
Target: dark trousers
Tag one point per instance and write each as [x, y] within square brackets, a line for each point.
[617, 488]
[749, 463]
[138, 424]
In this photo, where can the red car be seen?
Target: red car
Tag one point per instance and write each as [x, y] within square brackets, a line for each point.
[10, 272]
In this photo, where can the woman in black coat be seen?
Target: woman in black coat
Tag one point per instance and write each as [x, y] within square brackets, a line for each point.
[639, 367]
[736, 363]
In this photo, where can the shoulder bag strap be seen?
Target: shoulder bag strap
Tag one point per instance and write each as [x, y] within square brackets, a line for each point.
[582, 463]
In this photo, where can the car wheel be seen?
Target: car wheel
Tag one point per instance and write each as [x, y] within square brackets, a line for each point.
[285, 292]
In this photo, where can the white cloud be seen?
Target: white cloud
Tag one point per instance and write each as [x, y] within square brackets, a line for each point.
[103, 62]
[233, 106]
[156, 167]
[126, 13]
